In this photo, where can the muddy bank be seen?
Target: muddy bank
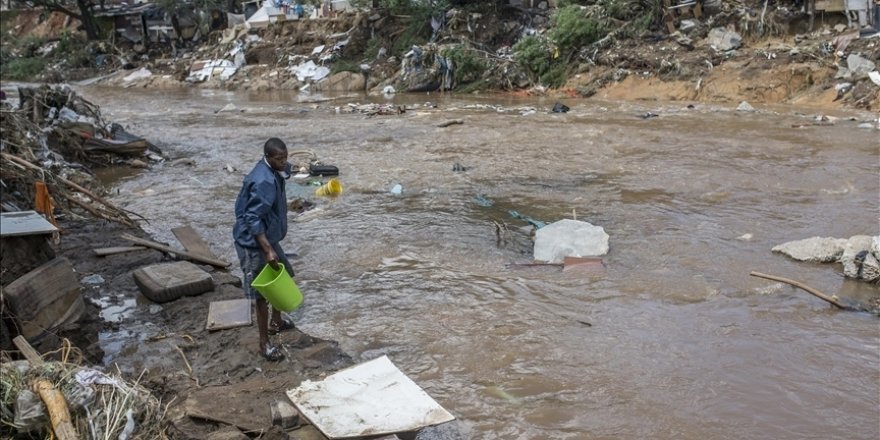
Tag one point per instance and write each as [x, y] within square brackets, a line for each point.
[218, 373]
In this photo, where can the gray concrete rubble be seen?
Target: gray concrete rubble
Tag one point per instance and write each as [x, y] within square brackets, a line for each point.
[859, 255]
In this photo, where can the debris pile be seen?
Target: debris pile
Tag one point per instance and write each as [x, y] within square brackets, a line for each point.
[859, 255]
[48, 141]
[64, 399]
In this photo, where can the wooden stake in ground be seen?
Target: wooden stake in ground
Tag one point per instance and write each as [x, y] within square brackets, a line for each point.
[830, 299]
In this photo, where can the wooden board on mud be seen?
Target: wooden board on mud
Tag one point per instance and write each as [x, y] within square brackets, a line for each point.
[103, 252]
[228, 314]
[193, 242]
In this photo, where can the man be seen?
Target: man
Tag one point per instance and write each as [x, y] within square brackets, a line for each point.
[260, 225]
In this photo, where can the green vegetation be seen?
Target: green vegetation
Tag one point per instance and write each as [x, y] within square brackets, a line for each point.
[344, 66]
[467, 66]
[22, 69]
[572, 29]
[534, 54]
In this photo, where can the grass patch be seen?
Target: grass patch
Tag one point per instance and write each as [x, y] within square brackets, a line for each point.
[22, 69]
[467, 66]
[345, 66]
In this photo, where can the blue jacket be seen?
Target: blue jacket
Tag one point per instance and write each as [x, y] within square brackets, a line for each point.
[261, 207]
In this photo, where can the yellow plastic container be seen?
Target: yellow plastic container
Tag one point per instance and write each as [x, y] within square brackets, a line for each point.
[278, 288]
[331, 188]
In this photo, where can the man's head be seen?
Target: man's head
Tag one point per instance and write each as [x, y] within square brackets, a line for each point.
[276, 154]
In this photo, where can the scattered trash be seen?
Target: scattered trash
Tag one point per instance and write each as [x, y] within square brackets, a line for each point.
[483, 201]
[560, 108]
[284, 415]
[457, 167]
[648, 115]
[204, 70]
[842, 89]
[323, 170]
[229, 168]
[723, 40]
[745, 107]
[833, 299]
[227, 108]
[388, 402]
[93, 279]
[397, 189]
[536, 223]
[332, 188]
[866, 125]
[875, 77]
[388, 90]
[497, 391]
[309, 71]
[142, 73]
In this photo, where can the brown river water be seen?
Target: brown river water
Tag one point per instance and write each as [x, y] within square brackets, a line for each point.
[673, 340]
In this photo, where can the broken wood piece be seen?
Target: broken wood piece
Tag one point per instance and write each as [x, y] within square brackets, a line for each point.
[56, 406]
[832, 300]
[284, 415]
[184, 254]
[192, 241]
[54, 400]
[103, 252]
[27, 351]
[198, 414]
[450, 122]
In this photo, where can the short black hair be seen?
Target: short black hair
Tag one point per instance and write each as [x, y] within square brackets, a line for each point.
[274, 145]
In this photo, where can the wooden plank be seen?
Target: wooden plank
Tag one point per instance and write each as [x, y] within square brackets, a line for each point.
[830, 5]
[103, 252]
[184, 254]
[228, 314]
[14, 224]
[193, 242]
[27, 351]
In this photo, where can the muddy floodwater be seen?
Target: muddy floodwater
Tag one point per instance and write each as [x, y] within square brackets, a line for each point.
[673, 340]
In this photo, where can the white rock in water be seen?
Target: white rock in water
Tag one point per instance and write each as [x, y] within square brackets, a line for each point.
[569, 238]
[852, 248]
[816, 249]
[871, 269]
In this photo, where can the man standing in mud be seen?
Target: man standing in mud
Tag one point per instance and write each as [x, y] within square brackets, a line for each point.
[260, 225]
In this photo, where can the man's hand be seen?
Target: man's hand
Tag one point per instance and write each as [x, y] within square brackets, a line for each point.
[271, 257]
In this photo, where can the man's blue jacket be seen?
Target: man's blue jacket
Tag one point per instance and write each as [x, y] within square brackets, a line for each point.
[261, 207]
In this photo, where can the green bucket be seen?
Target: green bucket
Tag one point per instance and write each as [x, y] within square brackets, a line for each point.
[278, 288]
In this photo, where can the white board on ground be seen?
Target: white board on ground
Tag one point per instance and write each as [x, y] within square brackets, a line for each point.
[371, 398]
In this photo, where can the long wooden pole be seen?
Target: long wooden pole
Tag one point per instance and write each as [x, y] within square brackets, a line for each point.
[185, 254]
[805, 287]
